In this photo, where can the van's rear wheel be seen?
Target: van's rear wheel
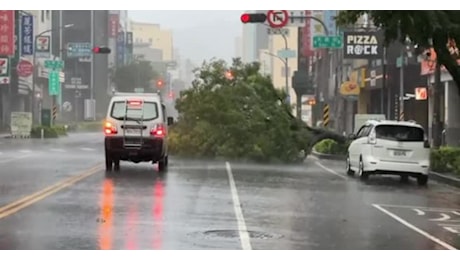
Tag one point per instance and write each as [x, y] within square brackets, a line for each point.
[116, 165]
[108, 161]
[422, 180]
[162, 164]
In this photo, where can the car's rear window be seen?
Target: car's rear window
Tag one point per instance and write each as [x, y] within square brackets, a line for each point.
[148, 112]
[400, 133]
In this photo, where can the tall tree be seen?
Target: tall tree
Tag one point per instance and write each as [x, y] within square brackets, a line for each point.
[425, 28]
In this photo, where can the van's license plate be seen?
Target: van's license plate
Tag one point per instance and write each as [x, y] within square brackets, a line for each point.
[399, 153]
[133, 131]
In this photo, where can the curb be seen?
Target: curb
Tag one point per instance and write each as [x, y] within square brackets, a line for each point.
[335, 157]
[439, 177]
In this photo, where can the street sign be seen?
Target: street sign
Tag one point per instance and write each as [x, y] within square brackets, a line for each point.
[53, 83]
[297, 18]
[4, 70]
[67, 106]
[421, 93]
[75, 81]
[277, 18]
[287, 54]
[43, 47]
[79, 49]
[54, 64]
[332, 42]
[25, 68]
[278, 31]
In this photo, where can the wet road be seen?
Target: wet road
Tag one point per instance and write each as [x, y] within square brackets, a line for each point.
[209, 205]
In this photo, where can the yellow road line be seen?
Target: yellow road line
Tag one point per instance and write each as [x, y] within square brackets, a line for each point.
[37, 196]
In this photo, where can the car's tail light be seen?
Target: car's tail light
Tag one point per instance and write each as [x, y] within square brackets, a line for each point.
[158, 131]
[372, 138]
[110, 128]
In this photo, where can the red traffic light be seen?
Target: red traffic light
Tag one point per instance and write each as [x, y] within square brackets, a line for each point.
[102, 50]
[253, 18]
[159, 83]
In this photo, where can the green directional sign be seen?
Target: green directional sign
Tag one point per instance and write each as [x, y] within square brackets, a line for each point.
[332, 42]
[54, 64]
[54, 86]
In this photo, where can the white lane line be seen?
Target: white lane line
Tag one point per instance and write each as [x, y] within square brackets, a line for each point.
[426, 209]
[242, 229]
[419, 212]
[15, 158]
[456, 213]
[330, 170]
[57, 150]
[25, 151]
[443, 217]
[416, 229]
[87, 149]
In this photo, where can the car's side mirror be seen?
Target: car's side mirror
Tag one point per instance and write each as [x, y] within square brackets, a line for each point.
[170, 120]
[352, 136]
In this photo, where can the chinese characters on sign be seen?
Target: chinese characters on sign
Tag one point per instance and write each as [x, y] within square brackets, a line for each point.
[113, 25]
[27, 32]
[7, 33]
[4, 70]
[121, 49]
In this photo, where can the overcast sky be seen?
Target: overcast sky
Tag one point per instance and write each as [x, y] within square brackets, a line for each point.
[198, 34]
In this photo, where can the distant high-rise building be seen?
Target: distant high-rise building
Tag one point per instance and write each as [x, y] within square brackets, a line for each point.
[254, 38]
[157, 38]
[238, 47]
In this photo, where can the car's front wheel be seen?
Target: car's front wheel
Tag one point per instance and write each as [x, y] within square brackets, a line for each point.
[350, 172]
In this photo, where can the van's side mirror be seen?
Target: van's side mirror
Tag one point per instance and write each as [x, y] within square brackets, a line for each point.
[352, 136]
[170, 120]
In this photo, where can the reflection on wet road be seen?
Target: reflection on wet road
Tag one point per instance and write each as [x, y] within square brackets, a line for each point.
[211, 205]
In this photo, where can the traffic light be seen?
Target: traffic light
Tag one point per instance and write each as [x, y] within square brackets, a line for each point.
[229, 75]
[160, 83]
[101, 50]
[253, 18]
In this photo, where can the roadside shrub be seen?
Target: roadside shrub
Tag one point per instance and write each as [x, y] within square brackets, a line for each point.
[329, 146]
[445, 159]
[49, 132]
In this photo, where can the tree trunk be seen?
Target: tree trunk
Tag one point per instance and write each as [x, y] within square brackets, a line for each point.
[436, 128]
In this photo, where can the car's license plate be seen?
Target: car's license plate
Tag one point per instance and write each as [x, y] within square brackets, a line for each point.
[399, 153]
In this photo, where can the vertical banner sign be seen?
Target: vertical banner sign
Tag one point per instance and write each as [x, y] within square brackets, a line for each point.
[114, 20]
[307, 43]
[43, 47]
[4, 70]
[7, 20]
[129, 46]
[17, 38]
[121, 49]
[27, 35]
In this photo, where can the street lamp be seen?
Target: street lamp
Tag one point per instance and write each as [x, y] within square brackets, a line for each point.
[34, 61]
[285, 62]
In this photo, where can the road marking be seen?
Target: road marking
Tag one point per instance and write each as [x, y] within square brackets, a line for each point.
[451, 229]
[242, 229]
[414, 228]
[87, 149]
[418, 207]
[57, 150]
[39, 195]
[419, 212]
[15, 158]
[330, 170]
[443, 218]
[25, 151]
[456, 212]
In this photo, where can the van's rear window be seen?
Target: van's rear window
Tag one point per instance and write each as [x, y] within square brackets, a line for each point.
[147, 111]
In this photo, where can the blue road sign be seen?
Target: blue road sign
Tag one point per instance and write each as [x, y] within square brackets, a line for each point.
[79, 49]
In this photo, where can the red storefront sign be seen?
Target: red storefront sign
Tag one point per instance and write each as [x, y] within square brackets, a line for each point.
[7, 33]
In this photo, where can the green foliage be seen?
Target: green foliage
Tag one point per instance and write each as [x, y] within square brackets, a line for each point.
[61, 130]
[424, 28]
[137, 74]
[49, 132]
[329, 146]
[95, 126]
[445, 159]
[241, 117]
